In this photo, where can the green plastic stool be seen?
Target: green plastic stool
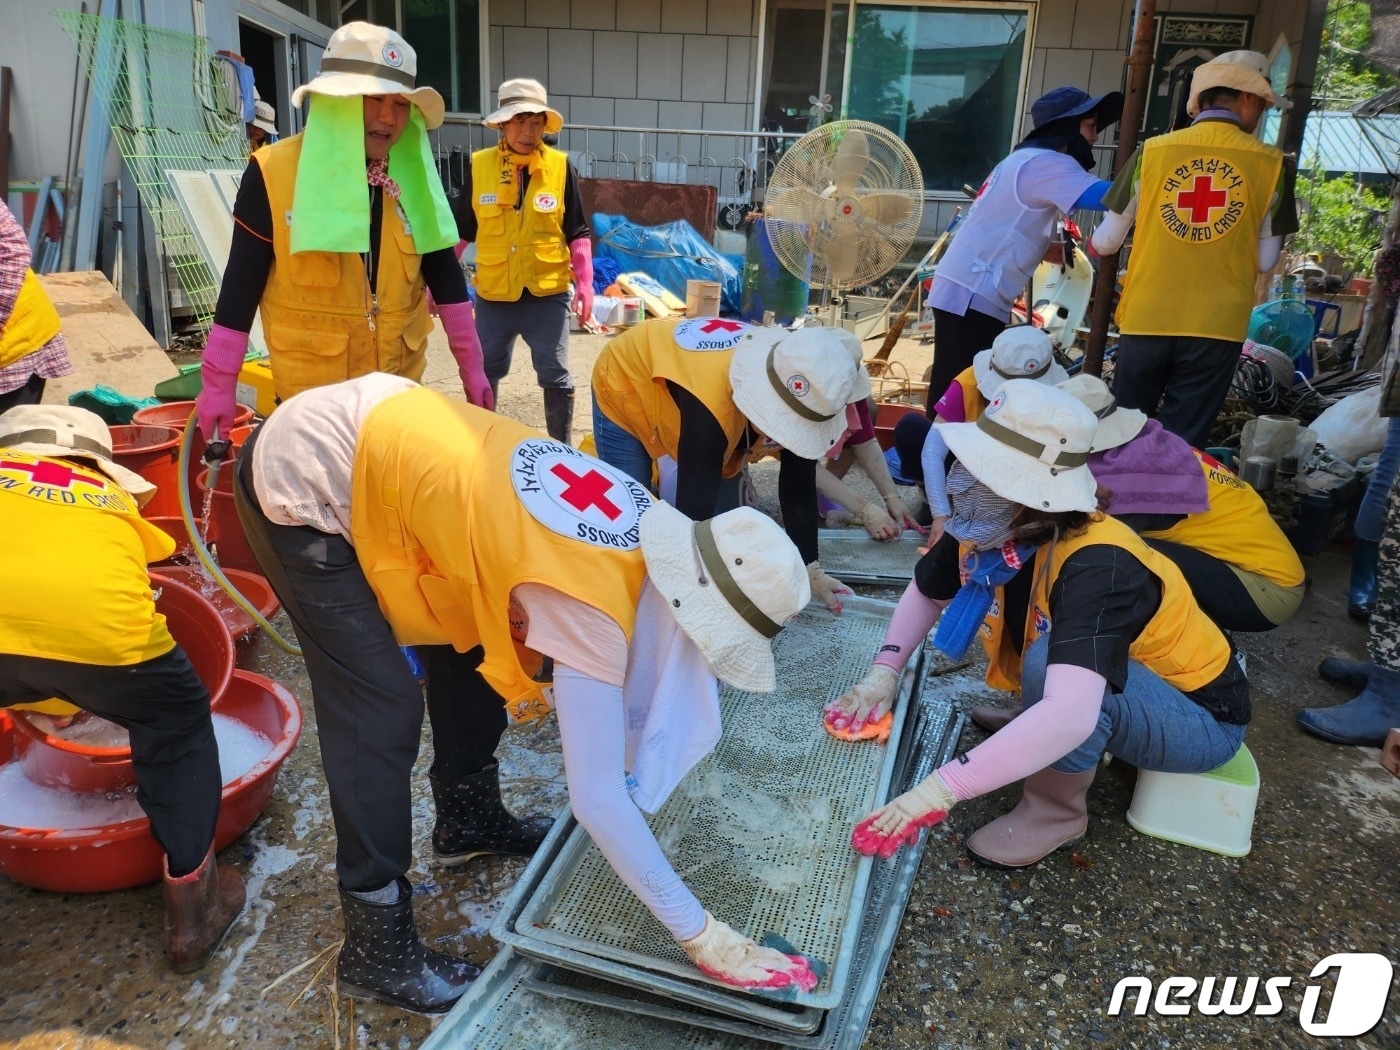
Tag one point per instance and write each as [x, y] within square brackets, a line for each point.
[1212, 811]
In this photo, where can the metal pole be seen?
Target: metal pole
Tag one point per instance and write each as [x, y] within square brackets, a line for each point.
[6, 80]
[1134, 100]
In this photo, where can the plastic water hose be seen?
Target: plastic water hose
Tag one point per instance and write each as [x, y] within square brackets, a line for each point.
[205, 558]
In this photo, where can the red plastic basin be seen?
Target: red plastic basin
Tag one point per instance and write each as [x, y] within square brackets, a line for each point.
[153, 452]
[199, 630]
[122, 855]
[253, 586]
[174, 527]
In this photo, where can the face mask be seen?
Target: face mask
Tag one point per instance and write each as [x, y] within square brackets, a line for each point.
[1081, 150]
[980, 517]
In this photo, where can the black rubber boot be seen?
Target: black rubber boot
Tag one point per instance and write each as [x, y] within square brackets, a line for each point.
[1361, 593]
[559, 414]
[472, 821]
[383, 957]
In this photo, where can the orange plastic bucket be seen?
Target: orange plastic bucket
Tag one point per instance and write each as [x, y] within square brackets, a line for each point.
[153, 451]
[177, 414]
[234, 552]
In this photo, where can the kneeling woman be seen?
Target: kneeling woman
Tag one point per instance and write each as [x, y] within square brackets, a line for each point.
[387, 514]
[1114, 654]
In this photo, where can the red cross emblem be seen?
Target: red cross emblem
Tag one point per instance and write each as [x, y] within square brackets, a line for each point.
[716, 325]
[586, 490]
[797, 384]
[1201, 199]
[45, 473]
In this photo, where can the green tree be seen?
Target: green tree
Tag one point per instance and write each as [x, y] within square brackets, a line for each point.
[1346, 76]
[1343, 218]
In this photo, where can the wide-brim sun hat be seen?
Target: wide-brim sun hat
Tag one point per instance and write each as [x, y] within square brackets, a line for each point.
[66, 432]
[1238, 70]
[265, 117]
[1030, 446]
[1068, 102]
[851, 342]
[1117, 425]
[523, 95]
[794, 386]
[365, 59]
[732, 582]
[1020, 352]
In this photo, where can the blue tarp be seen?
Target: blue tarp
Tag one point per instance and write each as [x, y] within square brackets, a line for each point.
[673, 254]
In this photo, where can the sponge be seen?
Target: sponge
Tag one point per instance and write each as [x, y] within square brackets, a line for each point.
[877, 731]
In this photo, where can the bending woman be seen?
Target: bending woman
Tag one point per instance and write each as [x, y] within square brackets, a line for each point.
[1112, 652]
[433, 523]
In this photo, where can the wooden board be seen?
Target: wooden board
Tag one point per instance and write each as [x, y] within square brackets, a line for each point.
[652, 203]
[107, 343]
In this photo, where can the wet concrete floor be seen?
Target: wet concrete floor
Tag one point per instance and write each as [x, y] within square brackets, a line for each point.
[986, 958]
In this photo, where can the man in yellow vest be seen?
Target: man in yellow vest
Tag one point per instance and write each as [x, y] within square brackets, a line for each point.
[1212, 205]
[32, 349]
[489, 547]
[81, 625]
[339, 265]
[522, 208]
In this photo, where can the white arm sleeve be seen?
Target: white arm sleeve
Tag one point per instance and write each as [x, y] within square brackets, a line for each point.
[933, 457]
[594, 743]
[1269, 250]
[1113, 230]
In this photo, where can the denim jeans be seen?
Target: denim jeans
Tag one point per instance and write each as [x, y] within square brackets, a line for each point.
[620, 449]
[1150, 724]
[1370, 518]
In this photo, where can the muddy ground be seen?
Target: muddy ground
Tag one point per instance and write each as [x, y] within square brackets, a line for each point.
[986, 958]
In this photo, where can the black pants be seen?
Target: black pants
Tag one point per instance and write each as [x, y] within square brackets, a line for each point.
[165, 707]
[369, 708]
[1186, 376]
[1218, 591]
[30, 394]
[957, 339]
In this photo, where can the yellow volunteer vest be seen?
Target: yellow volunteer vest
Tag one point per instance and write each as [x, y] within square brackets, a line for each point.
[1202, 194]
[317, 312]
[630, 376]
[974, 404]
[31, 324]
[452, 507]
[520, 247]
[74, 565]
[1237, 529]
[1179, 644]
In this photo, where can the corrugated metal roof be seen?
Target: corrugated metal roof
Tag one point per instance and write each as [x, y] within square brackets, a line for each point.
[1339, 142]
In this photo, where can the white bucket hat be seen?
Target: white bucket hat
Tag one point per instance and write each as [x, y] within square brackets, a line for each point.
[523, 95]
[1117, 425]
[265, 117]
[1030, 446]
[364, 59]
[1238, 70]
[1021, 352]
[794, 386]
[732, 582]
[69, 433]
[863, 386]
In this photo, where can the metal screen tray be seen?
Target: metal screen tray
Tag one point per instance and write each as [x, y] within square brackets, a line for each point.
[499, 1011]
[760, 829]
[853, 557]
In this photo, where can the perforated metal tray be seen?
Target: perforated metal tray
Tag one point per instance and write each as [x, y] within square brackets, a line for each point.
[853, 557]
[760, 829]
[500, 1010]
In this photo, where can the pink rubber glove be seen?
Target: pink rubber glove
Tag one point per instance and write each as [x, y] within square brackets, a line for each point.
[722, 952]
[218, 397]
[898, 821]
[459, 322]
[581, 262]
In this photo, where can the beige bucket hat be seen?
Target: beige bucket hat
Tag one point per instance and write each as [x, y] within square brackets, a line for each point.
[265, 117]
[851, 342]
[523, 95]
[1117, 425]
[69, 433]
[1030, 446]
[732, 582]
[1021, 352]
[794, 386]
[364, 59]
[1239, 70]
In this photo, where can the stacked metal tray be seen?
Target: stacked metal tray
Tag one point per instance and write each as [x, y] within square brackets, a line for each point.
[853, 557]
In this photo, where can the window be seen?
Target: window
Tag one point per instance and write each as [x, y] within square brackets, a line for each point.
[947, 80]
[446, 34]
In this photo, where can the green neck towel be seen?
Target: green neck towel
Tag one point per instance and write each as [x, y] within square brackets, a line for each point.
[330, 204]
